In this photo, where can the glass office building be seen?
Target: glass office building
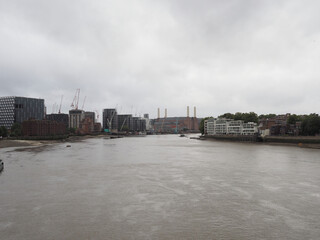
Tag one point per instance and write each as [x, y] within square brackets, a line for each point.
[18, 109]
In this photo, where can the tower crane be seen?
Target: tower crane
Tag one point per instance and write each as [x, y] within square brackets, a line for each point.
[84, 100]
[75, 101]
[97, 112]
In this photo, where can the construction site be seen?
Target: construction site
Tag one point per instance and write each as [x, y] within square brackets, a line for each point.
[79, 121]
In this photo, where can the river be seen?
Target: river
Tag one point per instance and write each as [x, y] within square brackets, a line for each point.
[159, 187]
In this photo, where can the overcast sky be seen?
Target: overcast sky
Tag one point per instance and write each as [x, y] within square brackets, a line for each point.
[221, 56]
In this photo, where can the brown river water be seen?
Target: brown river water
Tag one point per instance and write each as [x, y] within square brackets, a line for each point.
[159, 187]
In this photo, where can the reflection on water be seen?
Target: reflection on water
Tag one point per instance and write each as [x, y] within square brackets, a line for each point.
[160, 187]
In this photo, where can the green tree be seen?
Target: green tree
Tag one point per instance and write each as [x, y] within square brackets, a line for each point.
[3, 131]
[246, 117]
[238, 116]
[310, 125]
[270, 115]
[201, 125]
[16, 130]
[292, 119]
[250, 117]
[227, 115]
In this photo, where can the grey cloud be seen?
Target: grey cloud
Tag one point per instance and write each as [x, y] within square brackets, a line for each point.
[222, 56]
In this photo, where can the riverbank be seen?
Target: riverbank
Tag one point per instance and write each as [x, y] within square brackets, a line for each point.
[19, 143]
[299, 141]
[6, 143]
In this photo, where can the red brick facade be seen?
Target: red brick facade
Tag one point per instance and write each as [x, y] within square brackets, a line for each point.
[43, 128]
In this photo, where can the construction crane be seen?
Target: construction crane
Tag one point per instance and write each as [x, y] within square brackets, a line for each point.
[110, 121]
[75, 101]
[123, 123]
[84, 100]
[60, 104]
[97, 112]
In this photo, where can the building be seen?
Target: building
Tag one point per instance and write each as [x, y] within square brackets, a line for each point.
[138, 124]
[223, 126]
[97, 127]
[86, 126]
[91, 115]
[110, 119]
[176, 124]
[75, 118]
[125, 122]
[19, 109]
[43, 128]
[148, 122]
[278, 126]
[59, 117]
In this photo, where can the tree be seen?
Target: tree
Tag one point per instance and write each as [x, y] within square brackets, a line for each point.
[3, 131]
[310, 125]
[292, 119]
[227, 115]
[246, 117]
[16, 130]
[250, 117]
[270, 115]
[238, 116]
[201, 125]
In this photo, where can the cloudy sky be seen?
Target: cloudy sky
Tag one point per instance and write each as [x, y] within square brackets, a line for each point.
[138, 55]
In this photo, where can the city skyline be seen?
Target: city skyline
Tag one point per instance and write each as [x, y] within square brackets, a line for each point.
[235, 56]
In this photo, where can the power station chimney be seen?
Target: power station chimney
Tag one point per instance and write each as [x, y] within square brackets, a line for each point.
[195, 112]
[165, 113]
[158, 113]
[187, 111]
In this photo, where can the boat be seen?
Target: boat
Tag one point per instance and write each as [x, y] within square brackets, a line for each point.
[182, 135]
[1, 165]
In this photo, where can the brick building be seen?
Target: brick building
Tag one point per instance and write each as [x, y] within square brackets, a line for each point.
[59, 117]
[88, 126]
[43, 128]
[278, 126]
[176, 124]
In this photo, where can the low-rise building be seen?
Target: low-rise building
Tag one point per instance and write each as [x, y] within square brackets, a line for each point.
[278, 126]
[59, 117]
[42, 128]
[223, 126]
[176, 124]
